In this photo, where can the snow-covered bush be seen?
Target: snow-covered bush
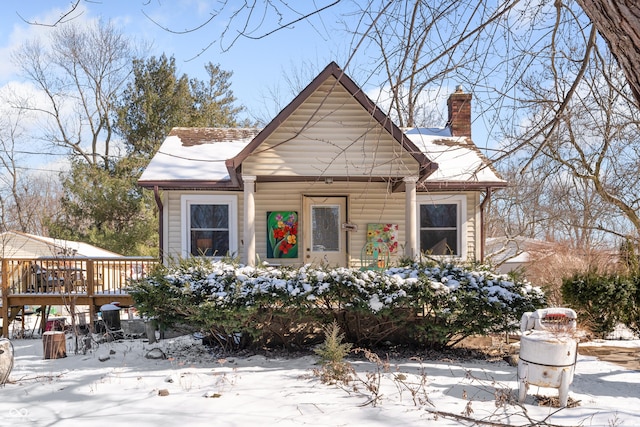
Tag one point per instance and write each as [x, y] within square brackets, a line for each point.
[434, 305]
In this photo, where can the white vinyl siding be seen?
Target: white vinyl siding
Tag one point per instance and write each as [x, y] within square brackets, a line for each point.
[366, 203]
[341, 139]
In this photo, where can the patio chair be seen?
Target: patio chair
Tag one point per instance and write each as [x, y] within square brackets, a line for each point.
[374, 256]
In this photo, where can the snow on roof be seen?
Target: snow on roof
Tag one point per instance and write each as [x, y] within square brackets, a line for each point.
[516, 250]
[80, 248]
[55, 247]
[458, 158]
[200, 154]
[192, 154]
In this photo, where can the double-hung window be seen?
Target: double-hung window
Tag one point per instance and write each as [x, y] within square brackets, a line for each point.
[210, 225]
[441, 226]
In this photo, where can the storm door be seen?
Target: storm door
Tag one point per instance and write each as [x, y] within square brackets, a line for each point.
[324, 238]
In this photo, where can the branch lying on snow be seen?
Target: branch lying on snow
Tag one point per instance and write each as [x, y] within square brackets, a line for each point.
[504, 398]
[36, 378]
[490, 423]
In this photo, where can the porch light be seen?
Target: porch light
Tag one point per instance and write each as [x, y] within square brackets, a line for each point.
[328, 180]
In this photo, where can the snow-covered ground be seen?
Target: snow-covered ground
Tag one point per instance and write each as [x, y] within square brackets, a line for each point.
[117, 384]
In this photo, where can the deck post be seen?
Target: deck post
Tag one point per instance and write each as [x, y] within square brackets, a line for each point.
[91, 281]
[5, 298]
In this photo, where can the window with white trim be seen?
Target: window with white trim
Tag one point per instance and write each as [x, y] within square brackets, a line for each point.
[210, 225]
[440, 222]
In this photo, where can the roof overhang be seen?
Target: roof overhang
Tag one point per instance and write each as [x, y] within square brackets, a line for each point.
[190, 185]
[459, 186]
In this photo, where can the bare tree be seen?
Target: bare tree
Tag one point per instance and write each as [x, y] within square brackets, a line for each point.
[546, 203]
[80, 73]
[541, 68]
[481, 42]
[617, 21]
[10, 202]
[26, 197]
[426, 47]
[594, 145]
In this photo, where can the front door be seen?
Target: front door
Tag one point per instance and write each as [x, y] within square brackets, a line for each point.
[324, 238]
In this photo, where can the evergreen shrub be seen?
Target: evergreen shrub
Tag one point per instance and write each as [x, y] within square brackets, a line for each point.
[432, 305]
[602, 301]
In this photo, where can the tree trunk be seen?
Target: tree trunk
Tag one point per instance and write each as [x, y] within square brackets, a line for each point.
[618, 22]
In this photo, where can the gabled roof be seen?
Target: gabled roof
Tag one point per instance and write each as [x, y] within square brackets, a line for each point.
[212, 158]
[333, 70]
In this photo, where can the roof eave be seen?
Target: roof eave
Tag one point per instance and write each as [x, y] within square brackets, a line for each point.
[460, 185]
[190, 184]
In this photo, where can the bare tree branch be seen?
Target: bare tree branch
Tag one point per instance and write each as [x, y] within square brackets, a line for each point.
[65, 17]
[553, 124]
[244, 31]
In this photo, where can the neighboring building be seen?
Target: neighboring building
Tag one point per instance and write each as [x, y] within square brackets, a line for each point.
[329, 173]
[32, 260]
[15, 245]
[545, 262]
[516, 254]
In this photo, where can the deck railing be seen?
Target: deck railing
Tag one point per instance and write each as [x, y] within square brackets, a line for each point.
[88, 276]
[63, 280]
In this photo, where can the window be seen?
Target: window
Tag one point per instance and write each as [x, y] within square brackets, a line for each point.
[325, 234]
[210, 225]
[440, 222]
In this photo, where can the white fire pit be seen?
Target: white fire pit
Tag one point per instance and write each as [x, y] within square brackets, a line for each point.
[548, 351]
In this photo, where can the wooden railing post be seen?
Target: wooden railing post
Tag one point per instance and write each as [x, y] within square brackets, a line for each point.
[91, 283]
[5, 298]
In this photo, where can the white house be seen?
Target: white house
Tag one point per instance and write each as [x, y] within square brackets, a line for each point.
[330, 172]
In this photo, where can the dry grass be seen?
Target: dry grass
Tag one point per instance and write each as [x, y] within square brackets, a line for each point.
[555, 261]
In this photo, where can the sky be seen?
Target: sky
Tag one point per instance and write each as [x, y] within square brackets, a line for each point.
[258, 65]
[270, 64]
[267, 71]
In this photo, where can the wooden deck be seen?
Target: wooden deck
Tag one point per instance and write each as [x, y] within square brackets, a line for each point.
[69, 282]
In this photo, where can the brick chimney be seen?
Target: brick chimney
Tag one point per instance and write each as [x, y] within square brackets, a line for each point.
[459, 113]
